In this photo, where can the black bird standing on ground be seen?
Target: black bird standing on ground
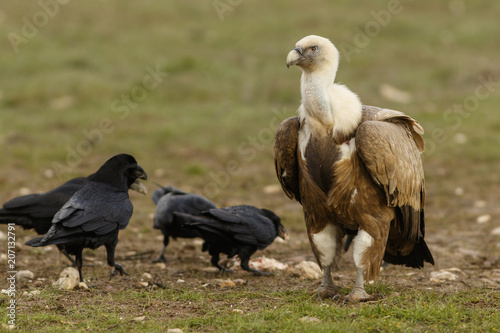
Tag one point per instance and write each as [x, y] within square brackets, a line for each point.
[169, 200]
[36, 211]
[236, 230]
[94, 215]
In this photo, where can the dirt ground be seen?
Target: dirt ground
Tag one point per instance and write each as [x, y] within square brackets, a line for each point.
[469, 251]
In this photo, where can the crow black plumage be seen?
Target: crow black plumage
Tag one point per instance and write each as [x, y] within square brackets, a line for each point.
[36, 211]
[169, 200]
[236, 230]
[93, 216]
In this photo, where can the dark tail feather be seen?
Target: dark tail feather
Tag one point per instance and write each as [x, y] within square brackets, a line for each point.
[21, 221]
[36, 242]
[415, 259]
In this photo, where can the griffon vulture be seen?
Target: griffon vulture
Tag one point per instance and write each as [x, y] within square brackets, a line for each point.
[355, 169]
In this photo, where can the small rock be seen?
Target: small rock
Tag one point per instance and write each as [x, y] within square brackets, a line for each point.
[83, 285]
[227, 284]
[460, 138]
[70, 272]
[237, 311]
[24, 191]
[161, 265]
[309, 319]
[180, 281]
[496, 232]
[68, 279]
[8, 327]
[143, 284]
[38, 283]
[442, 276]
[394, 94]
[240, 282]
[175, 330]
[3, 236]
[271, 189]
[268, 264]
[483, 218]
[147, 276]
[67, 283]
[141, 318]
[24, 276]
[459, 191]
[480, 204]
[48, 173]
[307, 269]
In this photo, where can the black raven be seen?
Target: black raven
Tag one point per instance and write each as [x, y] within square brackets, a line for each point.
[169, 200]
[36, 211]
[236, 230]
[93, 216]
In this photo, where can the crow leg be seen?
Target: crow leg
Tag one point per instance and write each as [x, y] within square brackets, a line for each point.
[215, 262]
[63, 251]
[110, 249]
[245, 254]
[79, 263]
[161, 258]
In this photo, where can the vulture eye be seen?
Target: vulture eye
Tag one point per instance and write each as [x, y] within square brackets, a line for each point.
[314, 48]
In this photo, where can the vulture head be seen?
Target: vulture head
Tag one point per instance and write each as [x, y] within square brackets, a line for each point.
[314, 54]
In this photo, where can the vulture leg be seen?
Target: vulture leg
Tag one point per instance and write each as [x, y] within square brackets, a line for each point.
[328, 245]
[110, 250]
[161, 258]
[327, 289]
[368, 254]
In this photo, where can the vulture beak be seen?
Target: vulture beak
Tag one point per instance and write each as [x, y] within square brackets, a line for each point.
[294, 57]
[139, 173]
[282, 232]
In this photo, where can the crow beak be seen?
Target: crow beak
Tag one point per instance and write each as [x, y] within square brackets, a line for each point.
[282, 232]
[139, 173]
[294, 57]
[139, 187]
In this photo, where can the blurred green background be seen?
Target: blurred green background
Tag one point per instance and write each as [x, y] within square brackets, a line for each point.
[76, 88]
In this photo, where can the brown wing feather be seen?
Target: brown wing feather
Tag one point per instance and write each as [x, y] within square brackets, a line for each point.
[391, 155]
[285, 156]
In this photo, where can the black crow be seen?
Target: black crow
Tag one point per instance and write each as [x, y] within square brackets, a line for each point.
[236, 230]
[93, 216]
[169, 200]
[36, 211]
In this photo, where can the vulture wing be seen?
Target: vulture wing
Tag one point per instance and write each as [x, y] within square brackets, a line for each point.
[285, 156]
[390, 150]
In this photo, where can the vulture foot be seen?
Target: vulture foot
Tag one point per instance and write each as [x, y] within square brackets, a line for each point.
[324, 292]
[360, 295]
